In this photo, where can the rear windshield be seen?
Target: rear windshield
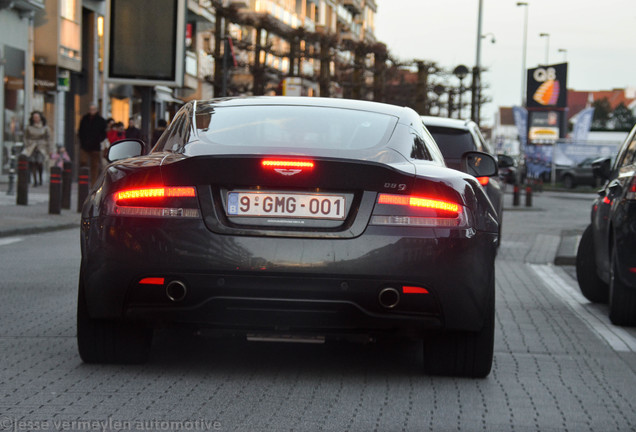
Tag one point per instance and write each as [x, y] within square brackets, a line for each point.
[452, 142]
[256, 129]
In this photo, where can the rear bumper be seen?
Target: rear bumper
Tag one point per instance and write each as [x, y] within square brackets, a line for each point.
[245, 283]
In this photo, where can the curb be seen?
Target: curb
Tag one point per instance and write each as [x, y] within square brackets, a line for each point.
[37, 229]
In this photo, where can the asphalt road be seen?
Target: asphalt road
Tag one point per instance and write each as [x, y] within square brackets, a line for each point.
[559, 364]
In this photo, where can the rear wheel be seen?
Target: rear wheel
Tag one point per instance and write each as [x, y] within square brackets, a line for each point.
[622, 301]
[592, 287]
[463, 354]
[109, 341]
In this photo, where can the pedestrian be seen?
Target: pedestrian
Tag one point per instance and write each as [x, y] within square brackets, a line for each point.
[60, 156]
[92, 131]
[115, 133]
[159, 130]
[132, 131]
[37, 145]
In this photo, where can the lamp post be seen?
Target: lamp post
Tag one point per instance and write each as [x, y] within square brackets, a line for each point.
[460, 72]
[565, 54]
[476, 86]
[525, 49]
[547, 47]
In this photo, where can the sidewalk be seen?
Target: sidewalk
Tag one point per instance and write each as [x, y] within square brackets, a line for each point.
[34, 217]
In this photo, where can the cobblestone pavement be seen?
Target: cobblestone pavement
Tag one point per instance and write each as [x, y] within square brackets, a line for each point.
[552, 370]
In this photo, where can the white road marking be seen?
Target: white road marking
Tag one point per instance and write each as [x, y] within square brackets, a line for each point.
[10, 240]
[597, 320]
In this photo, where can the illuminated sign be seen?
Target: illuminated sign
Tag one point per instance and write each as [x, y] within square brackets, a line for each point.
[547, 86]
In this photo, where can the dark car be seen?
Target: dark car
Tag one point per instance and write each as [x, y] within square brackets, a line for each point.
[454, 137]
[579, 174]
[606, 257]
[275, 217]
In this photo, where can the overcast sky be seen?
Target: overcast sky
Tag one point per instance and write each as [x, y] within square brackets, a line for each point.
[599, 36]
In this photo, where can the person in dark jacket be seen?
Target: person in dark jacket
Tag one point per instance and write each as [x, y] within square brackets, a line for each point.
[133, 131]
[92, 131]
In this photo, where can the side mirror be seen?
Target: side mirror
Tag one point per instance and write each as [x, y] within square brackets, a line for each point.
[602, 168]
[505, 161]
[479, 164]
[124, 149]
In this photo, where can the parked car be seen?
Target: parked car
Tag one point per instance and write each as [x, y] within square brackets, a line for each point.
[454, 137]
[579, 174]
[276, 218]
[606, 257]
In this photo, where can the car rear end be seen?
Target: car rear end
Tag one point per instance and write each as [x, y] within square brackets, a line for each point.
[262, 242]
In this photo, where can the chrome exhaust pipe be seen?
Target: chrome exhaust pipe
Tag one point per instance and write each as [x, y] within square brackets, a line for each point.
[176, 291]
[389, 297]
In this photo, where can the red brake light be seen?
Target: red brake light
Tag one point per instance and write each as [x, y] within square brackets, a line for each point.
[276, 163]
[483, 180]
[631, 192]
[414, 201]
[418, 211]
[159, 201]
[159, 192]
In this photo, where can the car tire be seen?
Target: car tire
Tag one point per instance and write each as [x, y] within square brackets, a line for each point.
[462, 354]
[592, 287]
[568, 181]
[109, 341]
[622, 298]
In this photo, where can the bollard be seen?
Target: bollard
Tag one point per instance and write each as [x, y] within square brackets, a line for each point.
[55, 191]
[515, 195]
[82, 186]
[22, 196]
[66, 185]
[528, 196]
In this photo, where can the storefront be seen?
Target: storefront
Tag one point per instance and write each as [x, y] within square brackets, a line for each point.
[14, 34]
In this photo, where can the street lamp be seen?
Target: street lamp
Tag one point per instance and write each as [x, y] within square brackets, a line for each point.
[547, 46]
[523, 56]
[460, 72]
[476, 87]
[565, 54]
[492, 37]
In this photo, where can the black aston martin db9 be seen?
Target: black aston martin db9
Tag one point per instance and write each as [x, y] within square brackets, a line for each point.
[280, 217]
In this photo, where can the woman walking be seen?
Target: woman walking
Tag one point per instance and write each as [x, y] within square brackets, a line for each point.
[37, 145]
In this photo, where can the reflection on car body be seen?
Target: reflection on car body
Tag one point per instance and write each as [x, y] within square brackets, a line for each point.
[291, 217]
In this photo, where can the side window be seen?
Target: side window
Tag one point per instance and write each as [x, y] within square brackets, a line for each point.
[419, 149]
[432, 146]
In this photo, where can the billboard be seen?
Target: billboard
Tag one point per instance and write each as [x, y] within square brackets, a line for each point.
[547, 86]
[145, 42]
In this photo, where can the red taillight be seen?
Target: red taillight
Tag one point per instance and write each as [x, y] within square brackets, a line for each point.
[606, 200]
[631, 192]
[414, 290]
[483, 180]
[417, 211]
[157, 201]
[414, 201]
[152, 281]
[287, 164]
[158, 192]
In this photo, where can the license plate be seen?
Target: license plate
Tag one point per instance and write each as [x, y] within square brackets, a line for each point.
[290, 205]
